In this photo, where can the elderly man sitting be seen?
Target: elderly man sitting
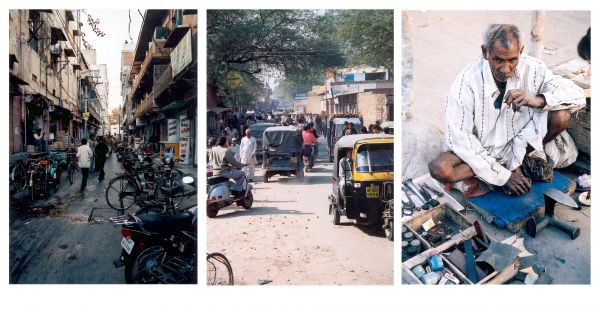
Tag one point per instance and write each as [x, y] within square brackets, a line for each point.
[506, 116]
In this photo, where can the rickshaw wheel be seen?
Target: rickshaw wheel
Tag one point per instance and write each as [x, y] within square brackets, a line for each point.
[336, 217]
[265, 178]
[389, 231]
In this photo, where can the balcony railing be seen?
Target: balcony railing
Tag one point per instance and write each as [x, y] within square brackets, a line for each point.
[144, 106]
[154, 53]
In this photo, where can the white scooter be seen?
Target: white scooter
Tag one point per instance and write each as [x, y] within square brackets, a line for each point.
[220, 194]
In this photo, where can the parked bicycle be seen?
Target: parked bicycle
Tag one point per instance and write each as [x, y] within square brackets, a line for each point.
[139, 184]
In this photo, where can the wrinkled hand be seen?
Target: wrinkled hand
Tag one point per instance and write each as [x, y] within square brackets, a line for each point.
[517, 183]
[518, 98]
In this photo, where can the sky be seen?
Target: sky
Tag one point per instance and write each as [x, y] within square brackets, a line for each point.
[115, 25]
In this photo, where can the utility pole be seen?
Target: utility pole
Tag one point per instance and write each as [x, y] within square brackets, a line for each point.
[538, 18]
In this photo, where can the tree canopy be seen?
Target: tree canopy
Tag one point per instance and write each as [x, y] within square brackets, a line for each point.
[295, 46]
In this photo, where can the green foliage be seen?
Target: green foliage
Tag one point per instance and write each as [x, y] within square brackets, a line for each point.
[296, 46]
[367, 37]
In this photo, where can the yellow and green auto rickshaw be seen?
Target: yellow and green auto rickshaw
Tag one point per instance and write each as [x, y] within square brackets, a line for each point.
[363, 180]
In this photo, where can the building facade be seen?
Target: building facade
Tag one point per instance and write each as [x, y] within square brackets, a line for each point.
[50, 88]
[161, 103]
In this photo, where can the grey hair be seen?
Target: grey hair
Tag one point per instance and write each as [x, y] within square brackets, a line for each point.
[505, 33]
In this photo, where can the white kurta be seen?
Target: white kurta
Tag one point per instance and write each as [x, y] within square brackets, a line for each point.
[247, 153]
[493, 141]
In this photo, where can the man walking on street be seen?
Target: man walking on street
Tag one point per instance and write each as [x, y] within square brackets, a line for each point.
[101, 151]
[248, 154]
[84, 155]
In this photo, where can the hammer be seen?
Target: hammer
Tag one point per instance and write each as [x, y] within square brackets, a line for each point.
[551, 196]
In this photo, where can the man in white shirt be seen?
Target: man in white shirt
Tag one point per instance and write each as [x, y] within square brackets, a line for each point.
[345, 169]
[248, 154]
[40, 143]
[84, 156]
[502, 111]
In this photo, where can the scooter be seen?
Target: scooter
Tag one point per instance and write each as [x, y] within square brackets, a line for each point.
[221, 195]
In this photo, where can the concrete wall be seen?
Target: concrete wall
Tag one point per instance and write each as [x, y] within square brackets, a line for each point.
[372, 107]
[313, 104]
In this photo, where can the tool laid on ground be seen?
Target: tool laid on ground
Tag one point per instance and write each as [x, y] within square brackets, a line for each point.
[432, 190]
[428, 197]
[551, 197]
[407, 191]
[412, 188]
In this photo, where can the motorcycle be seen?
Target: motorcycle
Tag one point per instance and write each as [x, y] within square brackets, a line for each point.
[121, 151]
[159, 244]
[221, 195]
[310, 155]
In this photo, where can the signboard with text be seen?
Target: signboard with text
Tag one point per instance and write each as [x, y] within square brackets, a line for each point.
[172, 130]
[181, 56]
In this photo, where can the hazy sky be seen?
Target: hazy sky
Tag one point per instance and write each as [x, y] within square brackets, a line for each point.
[115, 24]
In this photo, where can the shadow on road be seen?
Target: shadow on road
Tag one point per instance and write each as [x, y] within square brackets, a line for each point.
[259, 211]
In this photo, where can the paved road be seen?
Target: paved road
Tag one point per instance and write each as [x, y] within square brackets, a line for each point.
[55, 244]
[289, 238]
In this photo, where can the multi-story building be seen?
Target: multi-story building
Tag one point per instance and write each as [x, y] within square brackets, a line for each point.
[365, 91]
[163, 77]
[50, 88]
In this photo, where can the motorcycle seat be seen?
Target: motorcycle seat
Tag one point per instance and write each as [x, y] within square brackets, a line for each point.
[217, 180]
[159, 223]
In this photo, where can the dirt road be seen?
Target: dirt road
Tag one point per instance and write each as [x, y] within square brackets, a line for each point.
[288, 237]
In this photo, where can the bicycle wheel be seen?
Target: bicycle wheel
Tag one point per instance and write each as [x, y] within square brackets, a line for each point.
[72, 170]
[121, 193]
[170, 189]
[19, 177]
[218, 270]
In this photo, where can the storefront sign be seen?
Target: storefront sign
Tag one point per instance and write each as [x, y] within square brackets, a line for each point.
[181, 56]
[184, 149]
[184, 128]
[172, 130]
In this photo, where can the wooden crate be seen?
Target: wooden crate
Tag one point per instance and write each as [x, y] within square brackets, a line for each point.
[497, 277]
[443, 211]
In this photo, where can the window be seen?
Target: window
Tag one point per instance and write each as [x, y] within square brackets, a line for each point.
[35, 24]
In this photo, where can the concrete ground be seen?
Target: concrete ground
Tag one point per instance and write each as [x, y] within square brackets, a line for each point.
[51, 241]
[443, 43]
[288, 236]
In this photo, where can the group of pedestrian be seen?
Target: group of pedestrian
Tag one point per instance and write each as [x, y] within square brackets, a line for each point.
[92, 156]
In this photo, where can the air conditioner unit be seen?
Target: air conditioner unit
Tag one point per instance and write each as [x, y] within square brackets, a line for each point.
[56, 49]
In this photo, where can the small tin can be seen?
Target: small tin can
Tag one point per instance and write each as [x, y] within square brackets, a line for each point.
[408, 236]
[435, 261]
[404, 244]
[404, 229]
[419, 271]
[416, 243]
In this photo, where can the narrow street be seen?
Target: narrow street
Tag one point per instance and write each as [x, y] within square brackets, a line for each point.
[288, 237]
[52, 242]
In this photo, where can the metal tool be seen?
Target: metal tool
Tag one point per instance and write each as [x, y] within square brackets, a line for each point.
[425, 205]
[551, 197]
[432, 190]
[411, 187]
[433, 202]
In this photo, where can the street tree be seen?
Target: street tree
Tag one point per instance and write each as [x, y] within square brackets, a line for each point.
[367, 37]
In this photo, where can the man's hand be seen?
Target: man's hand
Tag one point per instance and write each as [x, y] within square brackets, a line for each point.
[518, 98]
[517, 183]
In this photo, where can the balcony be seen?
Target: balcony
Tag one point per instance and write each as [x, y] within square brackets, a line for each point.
[144, 106]
[154, 55]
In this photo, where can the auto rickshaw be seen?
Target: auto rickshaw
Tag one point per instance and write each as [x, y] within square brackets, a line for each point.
[366, 194]
[282, 152]
[336, 130]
